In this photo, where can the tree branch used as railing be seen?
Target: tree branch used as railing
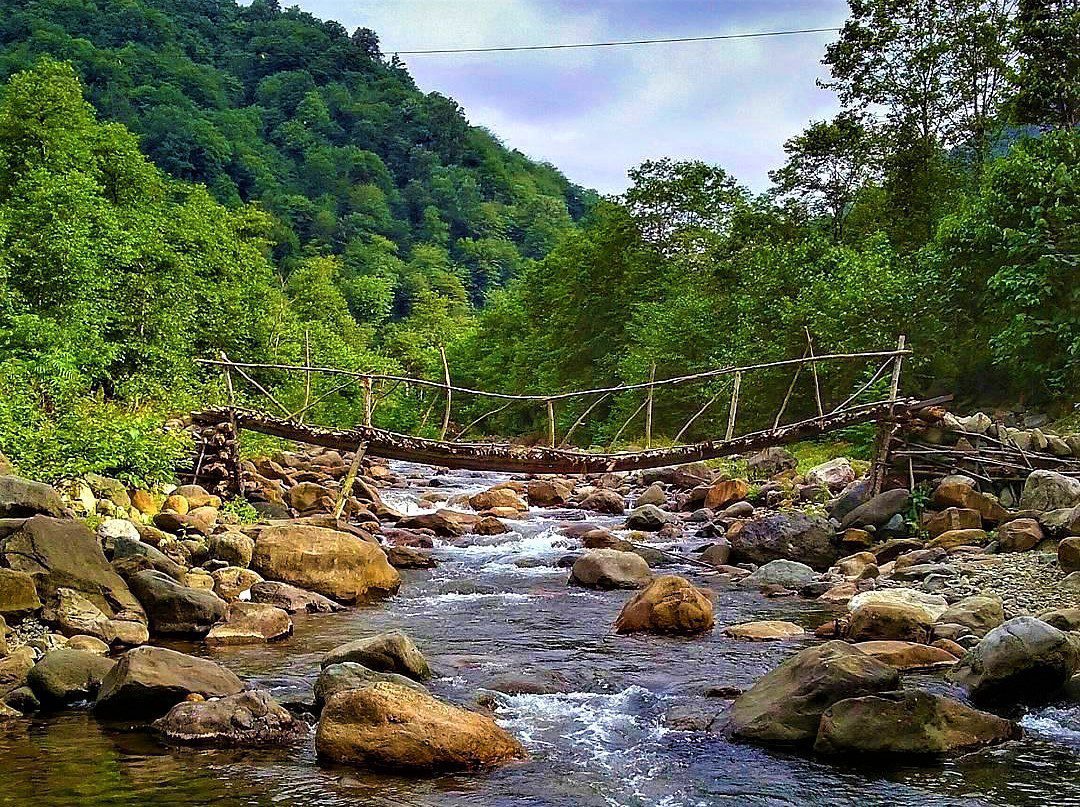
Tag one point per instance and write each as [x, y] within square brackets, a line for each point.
[423, 382]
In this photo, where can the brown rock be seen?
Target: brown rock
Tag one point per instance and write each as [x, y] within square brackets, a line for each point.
[232, 581]
[497, 497]
[888, 620]
[764, 630]
[1019, 535]
[909, 722]
[18, 596]
[605, 501]
[309, 497]
[610, 568]
[908, 655]
[954, 538]
[725, 492]
[489, 525]
[387, 726]
[668, 604]
[247, 719]
[329, 562]
[251, 623]
[549, 492]
[952, 518]
[1069, 554]
[292, 599]
[148, 681]
[786, 704]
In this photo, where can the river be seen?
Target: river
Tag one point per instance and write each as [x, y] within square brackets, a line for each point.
[498, 607]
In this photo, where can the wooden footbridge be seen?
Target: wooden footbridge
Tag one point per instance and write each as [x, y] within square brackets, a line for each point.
[558, 454]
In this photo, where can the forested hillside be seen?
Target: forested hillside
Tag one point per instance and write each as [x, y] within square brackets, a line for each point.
[277, 107]
[181, 178]
[345, 212]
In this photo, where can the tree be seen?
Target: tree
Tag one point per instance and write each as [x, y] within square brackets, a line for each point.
[938, 68]
[1047, 81]
[674, 201]
[826, 166]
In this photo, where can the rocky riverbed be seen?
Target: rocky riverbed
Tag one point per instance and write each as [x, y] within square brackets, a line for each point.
[529, 648]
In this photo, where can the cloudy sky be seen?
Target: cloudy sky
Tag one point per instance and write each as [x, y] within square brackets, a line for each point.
[595, 113]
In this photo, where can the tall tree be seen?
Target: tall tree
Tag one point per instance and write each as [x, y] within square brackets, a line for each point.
[826, 166]
[674, 201]
[1048, 75]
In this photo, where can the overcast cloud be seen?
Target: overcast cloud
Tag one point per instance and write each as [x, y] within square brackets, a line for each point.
[595, 113]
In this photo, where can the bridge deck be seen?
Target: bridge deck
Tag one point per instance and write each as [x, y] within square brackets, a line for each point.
[483, 456]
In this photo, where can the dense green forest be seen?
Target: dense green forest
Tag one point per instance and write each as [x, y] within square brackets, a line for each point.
[181, 178]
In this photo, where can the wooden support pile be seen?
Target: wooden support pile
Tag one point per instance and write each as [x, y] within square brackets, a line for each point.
[217, 457]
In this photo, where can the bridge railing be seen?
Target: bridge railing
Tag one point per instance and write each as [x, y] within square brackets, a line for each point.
[376, 387]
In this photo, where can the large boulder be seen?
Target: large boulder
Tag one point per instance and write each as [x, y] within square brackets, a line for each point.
[246, 719]
[836, 474]
[648, 518]
[795, 536]
[771, 461]
[980, 614]
[391, 652]
[786, 704]
[932, 605]
[725, 492]
[148, 681]
[348, 675]
[333, 563]
[959, 491]
[14, 668]
[885, 620]
[786, 573]
[18, 595]
[497, 497]
[124, 547]
[65, 676]
[386, 726]
[951, 518]
[23, 497]
[610, 568]
[251, 623]
[1049, 490]
[910, 722]
[878, 511]
[175, 609]
[443, 523]
[292, 599]
[549, 492]
[64, 553]
[1019, 535]
[603, 500]
[1023, 660]
[231, 547]
[668, 604]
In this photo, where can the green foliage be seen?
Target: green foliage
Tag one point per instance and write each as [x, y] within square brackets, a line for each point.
[241, 510]
[275, 106]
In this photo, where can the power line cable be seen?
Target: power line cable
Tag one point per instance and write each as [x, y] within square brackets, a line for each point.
[619, 43]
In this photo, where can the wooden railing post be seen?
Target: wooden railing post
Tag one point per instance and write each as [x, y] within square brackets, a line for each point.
[367, 401]
[350, 478]
[734, 406]
[894, 387]
[648, 410]
[551, 423]
[449, 394]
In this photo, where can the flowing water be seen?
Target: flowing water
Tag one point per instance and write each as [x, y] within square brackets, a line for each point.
[498, 608]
